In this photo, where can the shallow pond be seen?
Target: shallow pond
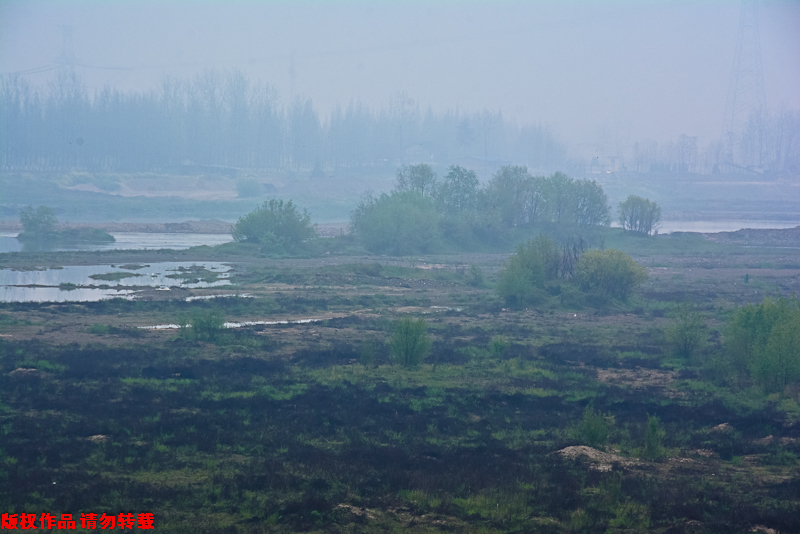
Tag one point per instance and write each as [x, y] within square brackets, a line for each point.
[711, 227]
[128, 241]
[83, 283]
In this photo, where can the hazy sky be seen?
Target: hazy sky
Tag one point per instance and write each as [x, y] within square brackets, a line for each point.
[617, 71]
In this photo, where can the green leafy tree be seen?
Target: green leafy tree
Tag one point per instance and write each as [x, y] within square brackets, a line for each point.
[275, 225]
[458, 191]
[516, 197]
[763, 341]
[40, 222]
[400, 223]
[610, 272]
[410, 343]
[640, 215]
[418, 178]
[590, 204]
[550, 254]
[559, 194]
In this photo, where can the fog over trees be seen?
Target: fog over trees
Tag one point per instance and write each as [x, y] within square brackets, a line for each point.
[222, 118]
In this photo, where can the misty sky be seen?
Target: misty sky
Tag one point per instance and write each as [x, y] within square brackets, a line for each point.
[610, 71]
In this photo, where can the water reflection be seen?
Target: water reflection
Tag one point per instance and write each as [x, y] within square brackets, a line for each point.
[82, 283]
[124, 241]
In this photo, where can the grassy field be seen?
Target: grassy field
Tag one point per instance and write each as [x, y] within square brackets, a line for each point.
[312, 427]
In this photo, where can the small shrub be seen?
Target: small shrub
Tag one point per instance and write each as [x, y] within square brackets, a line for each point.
[202, 325]
[685, 331]
[580, 521]
[631, 516]
[410, 343]
[594, 428]
[611, 273]
[99, 329]
[779, 456]
[248, 188]
[523, 276]
[498, 346]
[475, 276]
[368, 354]
[654, 439]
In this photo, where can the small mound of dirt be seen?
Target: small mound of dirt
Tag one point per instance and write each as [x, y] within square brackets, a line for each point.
[637, 378]
[724, 427]
[603, 460]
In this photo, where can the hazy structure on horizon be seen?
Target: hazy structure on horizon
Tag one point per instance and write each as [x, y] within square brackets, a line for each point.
[746, 102]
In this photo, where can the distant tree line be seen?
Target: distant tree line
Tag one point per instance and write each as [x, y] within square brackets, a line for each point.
[423, 210]
[224, 119]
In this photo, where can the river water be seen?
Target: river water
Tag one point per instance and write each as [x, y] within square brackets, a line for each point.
[129, 241]
[75, 283]
[712, 227]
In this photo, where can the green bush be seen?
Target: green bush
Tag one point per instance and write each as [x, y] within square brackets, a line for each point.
[99, 329]
[275, 225]
[686, 330]
[653, 439]
[611, 273]
[498, 346]
[368, 354]
[410, 343]
[763, 341]
[248, 188]
[400, 223]
[202, 325]
[630, 516]
[475, 276]
[594, 428]
[526, 271]
[458, 191]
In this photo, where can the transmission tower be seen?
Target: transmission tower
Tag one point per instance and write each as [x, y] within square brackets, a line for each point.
[746, 90]
[67, 57]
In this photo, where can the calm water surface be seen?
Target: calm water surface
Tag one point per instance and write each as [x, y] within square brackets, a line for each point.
[50, 284]
[129, 241]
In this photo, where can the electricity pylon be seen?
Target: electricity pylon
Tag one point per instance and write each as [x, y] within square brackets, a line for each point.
[67, 57]
[746, 90]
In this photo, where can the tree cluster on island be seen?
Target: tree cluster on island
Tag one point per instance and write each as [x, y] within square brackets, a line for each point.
[40, 227]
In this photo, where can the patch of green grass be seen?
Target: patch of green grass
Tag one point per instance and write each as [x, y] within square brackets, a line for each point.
[99, 329]
[113, 277]
[170, 385]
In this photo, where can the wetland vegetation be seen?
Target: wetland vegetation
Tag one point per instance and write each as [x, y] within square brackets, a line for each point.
[421, 398]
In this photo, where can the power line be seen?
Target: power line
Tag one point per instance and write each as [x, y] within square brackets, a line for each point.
[36, 70]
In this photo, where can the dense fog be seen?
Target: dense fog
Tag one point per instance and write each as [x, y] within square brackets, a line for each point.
[554, 86]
